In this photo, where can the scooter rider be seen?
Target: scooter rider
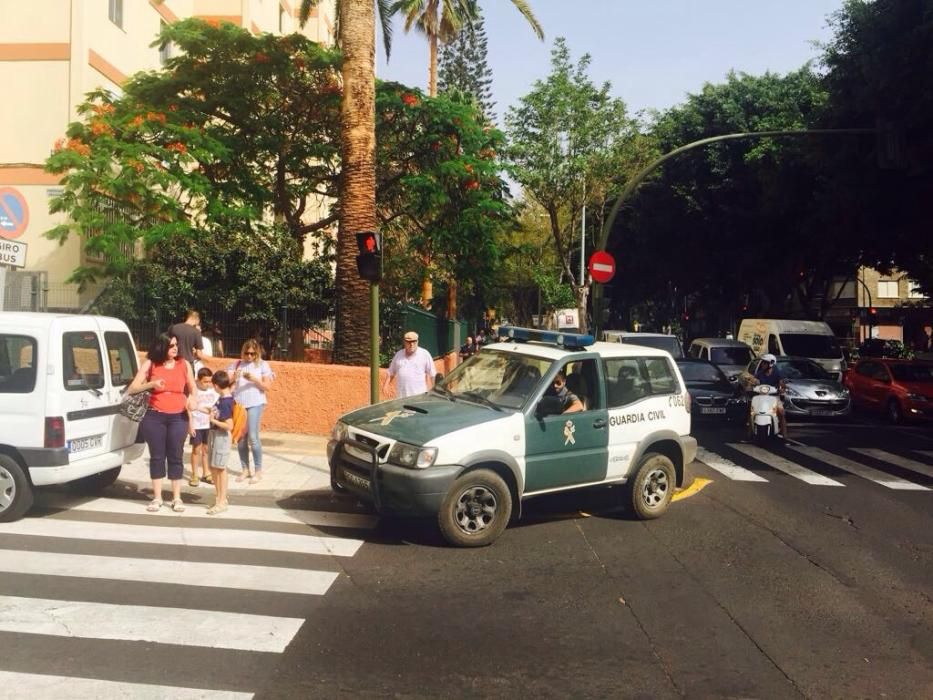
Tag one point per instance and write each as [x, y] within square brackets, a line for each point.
[768, 373]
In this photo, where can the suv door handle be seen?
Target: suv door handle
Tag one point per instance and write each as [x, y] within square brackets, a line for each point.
[599, 423]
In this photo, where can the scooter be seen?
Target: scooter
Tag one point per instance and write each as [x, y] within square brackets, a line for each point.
[764, 423]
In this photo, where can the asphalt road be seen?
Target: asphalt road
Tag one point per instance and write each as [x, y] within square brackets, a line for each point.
[803, 571]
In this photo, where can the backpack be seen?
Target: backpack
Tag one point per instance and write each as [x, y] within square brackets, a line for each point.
[239, 422]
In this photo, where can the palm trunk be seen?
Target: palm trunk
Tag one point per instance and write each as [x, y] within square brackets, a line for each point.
[432, 66]
[358, 186]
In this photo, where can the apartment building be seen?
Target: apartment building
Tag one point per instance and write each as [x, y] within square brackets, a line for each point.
[52, 52]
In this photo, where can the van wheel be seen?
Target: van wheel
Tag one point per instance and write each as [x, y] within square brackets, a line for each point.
[476, 509]
[893, 410]
[95, 482]
[15, 490]
[653, 486]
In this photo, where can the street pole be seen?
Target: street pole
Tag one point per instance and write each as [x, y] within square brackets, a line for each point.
[374, 342]
[583, 240]
[858, 278]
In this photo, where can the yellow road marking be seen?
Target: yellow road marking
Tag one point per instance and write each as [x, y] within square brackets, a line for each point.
[698, 485]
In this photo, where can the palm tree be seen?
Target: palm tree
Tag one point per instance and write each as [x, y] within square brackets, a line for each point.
[356, 36]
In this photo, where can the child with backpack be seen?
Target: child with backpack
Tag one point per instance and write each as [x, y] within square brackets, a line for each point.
[220, 439]
[205, 396]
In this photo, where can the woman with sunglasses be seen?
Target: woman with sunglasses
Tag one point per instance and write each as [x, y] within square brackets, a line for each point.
[252, 378]
[168, 421]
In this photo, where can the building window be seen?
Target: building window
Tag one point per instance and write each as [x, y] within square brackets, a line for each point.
[887, 289]
[165, 50]
[111, 212]
[913, 290]
[115, 12]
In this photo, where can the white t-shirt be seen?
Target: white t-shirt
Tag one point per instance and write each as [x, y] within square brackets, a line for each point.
[205, 399]
[207, 348]
[411, 372]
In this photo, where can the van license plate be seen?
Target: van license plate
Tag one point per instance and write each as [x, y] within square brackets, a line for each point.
[85, 443]
[357, 481]
[712, 410]
[822, 412]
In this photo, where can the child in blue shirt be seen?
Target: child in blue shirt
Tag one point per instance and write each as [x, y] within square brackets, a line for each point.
[221, 425]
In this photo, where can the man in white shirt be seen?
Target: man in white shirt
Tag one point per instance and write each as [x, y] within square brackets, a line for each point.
[414, 368]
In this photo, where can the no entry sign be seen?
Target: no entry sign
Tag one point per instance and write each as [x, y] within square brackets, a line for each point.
[602, 266]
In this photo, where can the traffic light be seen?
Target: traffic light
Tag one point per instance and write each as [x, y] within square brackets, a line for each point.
[873, 311]
[369, 261]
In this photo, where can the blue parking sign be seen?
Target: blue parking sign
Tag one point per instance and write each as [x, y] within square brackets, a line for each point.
[14, 213]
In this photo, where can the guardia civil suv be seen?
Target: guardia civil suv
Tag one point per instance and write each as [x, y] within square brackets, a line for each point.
[492, 433]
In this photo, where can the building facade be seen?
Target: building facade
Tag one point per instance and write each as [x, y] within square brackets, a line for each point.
[53, 52]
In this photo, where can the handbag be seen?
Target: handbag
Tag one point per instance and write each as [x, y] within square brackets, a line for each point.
[134, 406]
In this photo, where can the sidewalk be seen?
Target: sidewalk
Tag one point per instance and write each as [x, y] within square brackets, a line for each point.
[291, 463]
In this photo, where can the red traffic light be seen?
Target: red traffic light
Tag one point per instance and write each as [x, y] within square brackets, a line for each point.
[873, 311]
[367, 242]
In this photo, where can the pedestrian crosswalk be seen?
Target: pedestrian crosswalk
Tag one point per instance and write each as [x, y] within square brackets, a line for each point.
[119, 575]
[849, 460]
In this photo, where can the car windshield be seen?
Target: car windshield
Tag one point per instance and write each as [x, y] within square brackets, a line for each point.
[811, 345]
[730, 355]
[801, 369]
[701, 372]
[912, 373]
[661, 342]
[506, 379]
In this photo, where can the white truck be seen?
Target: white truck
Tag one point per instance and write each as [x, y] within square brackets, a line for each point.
[811, 339]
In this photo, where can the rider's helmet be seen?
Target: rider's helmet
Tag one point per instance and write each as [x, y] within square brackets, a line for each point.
[769, 358]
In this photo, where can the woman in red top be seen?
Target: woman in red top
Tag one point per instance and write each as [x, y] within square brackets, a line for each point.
[168, 420]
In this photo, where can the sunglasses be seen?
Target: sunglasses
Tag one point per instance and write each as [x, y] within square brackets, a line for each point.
[249, 354]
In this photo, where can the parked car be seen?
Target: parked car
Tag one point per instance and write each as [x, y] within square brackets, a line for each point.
[903, 389]
[661, 341]
[810, 391]
[883, 347]
[715, 398]
[731, 356]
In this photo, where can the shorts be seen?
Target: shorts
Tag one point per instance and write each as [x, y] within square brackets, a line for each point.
[219, 447]
[200, 436]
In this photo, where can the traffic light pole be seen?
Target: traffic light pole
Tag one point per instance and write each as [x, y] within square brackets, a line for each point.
[374, 342]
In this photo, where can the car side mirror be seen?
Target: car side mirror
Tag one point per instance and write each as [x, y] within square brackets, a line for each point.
[548, 406]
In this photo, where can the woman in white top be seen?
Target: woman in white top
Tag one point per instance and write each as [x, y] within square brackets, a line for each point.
[252, 378]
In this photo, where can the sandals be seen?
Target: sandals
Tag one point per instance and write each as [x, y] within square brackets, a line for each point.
[194, 481]
[217, 508]
[154, 505]
[178, 506]
[244, 475]
[255, 478]
[207, 479]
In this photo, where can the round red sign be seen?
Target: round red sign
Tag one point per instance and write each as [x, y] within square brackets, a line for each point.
[602, 266]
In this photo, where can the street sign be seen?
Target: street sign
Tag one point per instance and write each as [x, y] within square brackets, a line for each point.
[12, 253]
[602, 266]
[14, 213]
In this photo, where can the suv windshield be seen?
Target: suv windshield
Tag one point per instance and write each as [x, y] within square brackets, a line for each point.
[701, 372]
[810, 345]
[801, 369]
[505, 379]
[912, 373]
[661, 342]
[730, 355]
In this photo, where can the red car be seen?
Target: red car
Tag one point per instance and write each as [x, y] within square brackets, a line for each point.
[903, 389]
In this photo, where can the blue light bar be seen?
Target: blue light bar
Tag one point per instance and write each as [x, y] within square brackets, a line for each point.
[571, 341]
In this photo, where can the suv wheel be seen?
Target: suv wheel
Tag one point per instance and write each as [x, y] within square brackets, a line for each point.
[895, 415]
[476, 509]
[15, 490]
[653, 486]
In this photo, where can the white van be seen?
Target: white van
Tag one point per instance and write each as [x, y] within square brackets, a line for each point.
[810, 339]
[61, 383]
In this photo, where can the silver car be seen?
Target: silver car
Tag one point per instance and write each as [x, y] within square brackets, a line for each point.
[809, 391]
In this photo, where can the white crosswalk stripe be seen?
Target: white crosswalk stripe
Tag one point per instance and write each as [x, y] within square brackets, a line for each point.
[182, 536]
[33, 685]
[145, 623]
[859, 469]
[905, 462]
[726, 467]
[784, 465]
[168, 621]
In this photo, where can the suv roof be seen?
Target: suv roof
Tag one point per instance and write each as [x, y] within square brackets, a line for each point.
[731, 342]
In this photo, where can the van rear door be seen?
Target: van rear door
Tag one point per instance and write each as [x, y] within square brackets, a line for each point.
[122, 364]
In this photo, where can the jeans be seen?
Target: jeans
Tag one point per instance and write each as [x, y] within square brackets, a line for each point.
[165, 435]
[250, 441]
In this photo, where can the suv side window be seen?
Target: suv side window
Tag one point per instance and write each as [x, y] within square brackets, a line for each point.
[625, 381]
[694, 351]
[122, 357]
[583, 380]
[661, 376]
[82, 361]
[773, 347]
[17, 364]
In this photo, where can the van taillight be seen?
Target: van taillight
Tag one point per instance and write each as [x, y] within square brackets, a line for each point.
[54, 431]
[687, 401]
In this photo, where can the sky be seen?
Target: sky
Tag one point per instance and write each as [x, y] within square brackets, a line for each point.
[653, 52]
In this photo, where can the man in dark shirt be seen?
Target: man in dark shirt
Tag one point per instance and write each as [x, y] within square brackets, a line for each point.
[768, 373]
[569, 402]
[189, 337]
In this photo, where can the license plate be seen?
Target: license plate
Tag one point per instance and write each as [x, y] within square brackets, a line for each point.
[357, 481]
[85, 443]
[822, 412]
[712, 410]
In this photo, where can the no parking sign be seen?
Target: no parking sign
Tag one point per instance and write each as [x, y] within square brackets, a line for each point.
[14, 213]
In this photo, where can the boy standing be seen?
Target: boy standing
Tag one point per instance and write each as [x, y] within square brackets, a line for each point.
[205, 396]
[221, 422]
